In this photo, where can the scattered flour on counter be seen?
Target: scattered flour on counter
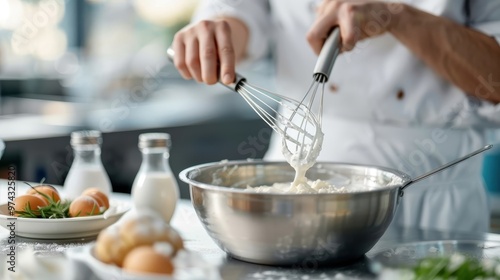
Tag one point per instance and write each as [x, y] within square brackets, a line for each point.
[42, 248]
[286, 274]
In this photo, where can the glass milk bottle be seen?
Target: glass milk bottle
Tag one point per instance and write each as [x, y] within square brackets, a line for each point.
[155, 187]
[86, 170]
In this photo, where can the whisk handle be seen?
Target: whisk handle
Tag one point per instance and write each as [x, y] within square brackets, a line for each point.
[238, 79]
[327, 56]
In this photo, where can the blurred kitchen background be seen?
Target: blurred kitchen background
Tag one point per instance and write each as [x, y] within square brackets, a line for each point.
[101, 64]
[71, 65]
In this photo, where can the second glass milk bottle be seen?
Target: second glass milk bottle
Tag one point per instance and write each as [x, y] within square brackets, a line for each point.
[86, 170]
[155, 187]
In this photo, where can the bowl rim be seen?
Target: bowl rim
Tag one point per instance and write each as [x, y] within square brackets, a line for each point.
[184, 176]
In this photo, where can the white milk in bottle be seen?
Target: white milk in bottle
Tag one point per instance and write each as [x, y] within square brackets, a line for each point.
[86, 170]
[155, 187]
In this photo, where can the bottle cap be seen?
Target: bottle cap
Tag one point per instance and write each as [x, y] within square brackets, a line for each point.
[86, 137]
[154, 140]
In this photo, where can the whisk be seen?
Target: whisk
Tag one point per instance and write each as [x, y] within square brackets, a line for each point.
[292, 119]
[302, 150]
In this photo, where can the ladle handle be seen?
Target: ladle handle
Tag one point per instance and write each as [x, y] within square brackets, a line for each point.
[238, 79]
[421, 177]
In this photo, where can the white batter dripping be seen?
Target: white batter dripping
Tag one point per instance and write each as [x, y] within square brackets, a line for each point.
[300, 184]
[301, 160]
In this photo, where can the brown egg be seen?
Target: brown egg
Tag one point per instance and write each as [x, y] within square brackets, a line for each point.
[145, 259]
[47, 190]
[101, 197]
[84, 206]
[33, 202]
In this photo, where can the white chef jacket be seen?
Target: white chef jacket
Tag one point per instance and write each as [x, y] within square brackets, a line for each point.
[386, 107]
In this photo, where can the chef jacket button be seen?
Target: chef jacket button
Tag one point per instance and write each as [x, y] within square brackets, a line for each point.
[400, 95]
[333, 88]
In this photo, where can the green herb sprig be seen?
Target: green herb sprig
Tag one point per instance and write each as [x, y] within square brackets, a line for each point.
[55, 210]
[445, 268]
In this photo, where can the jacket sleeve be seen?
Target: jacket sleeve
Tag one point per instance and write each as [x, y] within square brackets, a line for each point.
[484, 16]
[254, 13]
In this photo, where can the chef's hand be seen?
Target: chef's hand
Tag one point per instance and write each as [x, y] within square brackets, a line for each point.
[357, 20]
[206, 50]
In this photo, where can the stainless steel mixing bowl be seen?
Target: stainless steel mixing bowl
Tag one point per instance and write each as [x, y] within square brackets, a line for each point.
[284, 229]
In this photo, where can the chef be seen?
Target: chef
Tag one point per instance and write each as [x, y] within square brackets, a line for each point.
[417, 85]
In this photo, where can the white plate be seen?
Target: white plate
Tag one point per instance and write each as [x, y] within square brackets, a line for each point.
[193, 267]
[62, 228]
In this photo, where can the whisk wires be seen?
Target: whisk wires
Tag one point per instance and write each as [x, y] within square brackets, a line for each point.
[300, 144]
[266, 104]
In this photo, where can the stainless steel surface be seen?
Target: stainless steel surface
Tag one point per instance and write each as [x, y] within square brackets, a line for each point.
[441, 168]
[327, 57]
[197, 240]
[281, 229]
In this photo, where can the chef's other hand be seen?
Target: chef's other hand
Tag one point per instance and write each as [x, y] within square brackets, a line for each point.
[204, 51]
[357, 20]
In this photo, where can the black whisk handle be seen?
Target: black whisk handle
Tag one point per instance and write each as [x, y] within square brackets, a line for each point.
[238, 79]
[238, 82]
